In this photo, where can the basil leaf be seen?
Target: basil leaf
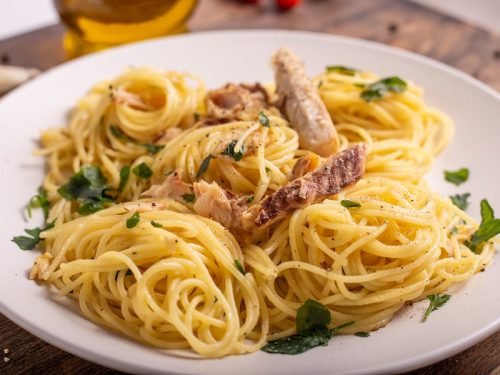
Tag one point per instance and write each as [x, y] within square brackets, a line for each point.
[348, 204]
[189, 197]
[238, 265]
[142, 171]
[488, 228]
[39, 201]
[124, 176]
[310, 315]
[204, 165]
[133, 220]
[342, 70]
[378, 89]
[29, 243]
[436, 301]
[229, 151]
[362, 334]
[156, 225]
[264, 120]
[297, 344]
[457, 177]
[461, 200]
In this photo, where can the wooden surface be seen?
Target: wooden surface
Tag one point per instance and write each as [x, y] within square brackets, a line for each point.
[397, 23]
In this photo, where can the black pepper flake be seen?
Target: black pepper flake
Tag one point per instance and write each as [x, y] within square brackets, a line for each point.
[393, 28]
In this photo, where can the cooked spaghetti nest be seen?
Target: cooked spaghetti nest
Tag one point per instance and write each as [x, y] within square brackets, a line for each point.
[403, 133]
[364, 263]
[170, 281]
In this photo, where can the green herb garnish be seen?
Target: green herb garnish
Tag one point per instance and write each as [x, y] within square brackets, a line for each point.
[250, 198]
[153, 149]
[156, 225]
[238, 265]
[348, 204]
[457, 177]
[312, 330]
[196, 116]
[264, 120]
[489, 227]
[88, 188]
[204, 165]
[29, 243]
[461, 200]
[124, 176]
[189, 197]
[378, 89]
[119, 134]
[342, 70]
[436, 301]
[133, 220]
[229, 151]
[362, 334]
[142, 171]
[39, 201]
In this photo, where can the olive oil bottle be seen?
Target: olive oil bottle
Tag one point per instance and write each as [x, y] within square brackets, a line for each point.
[97, 24]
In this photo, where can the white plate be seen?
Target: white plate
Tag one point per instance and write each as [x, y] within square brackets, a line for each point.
[474, 310]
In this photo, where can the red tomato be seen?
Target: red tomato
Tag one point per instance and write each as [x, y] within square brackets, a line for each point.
[287, 4]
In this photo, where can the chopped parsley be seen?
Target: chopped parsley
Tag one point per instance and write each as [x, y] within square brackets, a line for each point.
[39, 201]
[133, 220]
[461, 200]
[312, 330]
[348, 204]
[264, 120]
[238, 265]
[119, 134]
[124, 176]
[362, 334]
[250, 198]
[189, 197]
[229, 151]
[204, 166]
[88, 188]
[342, 70]
[489, 227]
[436, 301]
[196, 116]
[143, 171]
[156, 224]
[378, 89]
[457, 177]
[29, 242]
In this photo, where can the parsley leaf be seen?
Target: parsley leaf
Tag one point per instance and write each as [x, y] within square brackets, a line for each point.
[362, 334]
[436, 302]
[250, 198]
[312, 330]
[264, 120]
[238, 265]
[348, 204]
[461, 200]
[204, 165]
[119, 134]
[488, 228]
[342, 70]
[378, 89]
[133, 220]
[310, 315]
[189, 197]
[229, 151]
[29, 243]
[457, 177]
[196, 116]
[88, 188]
[39, 201]
[124, 176]
[142, 171]
[156, 225]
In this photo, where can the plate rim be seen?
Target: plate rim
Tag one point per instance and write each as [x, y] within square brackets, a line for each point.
[407, 364]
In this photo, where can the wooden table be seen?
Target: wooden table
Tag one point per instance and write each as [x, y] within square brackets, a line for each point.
[398, 23]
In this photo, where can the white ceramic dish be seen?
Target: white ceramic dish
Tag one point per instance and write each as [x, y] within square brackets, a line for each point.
[473, 312]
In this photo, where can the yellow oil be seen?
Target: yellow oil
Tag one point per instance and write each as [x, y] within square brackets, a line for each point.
[97, 24]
